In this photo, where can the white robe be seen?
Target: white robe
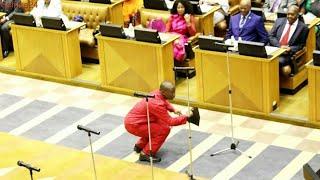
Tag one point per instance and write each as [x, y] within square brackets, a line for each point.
[53, 10]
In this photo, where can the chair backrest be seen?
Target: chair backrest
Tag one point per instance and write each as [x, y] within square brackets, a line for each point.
[92, 13]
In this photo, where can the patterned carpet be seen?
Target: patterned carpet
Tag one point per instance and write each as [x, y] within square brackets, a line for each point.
[53, 119]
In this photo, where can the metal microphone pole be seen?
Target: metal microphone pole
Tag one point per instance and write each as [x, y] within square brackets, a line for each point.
[190, 172]
[89, 131]
[235, 143]
[147, 96]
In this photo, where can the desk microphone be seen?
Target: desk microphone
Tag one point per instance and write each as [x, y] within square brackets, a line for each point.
[28, 166]
[223, 44]
[183, 68]
[88, 130]
[140, 94]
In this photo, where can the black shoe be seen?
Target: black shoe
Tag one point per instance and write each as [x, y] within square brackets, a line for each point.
[137, 149]
[145, 157]
[5, 54]
[195, 117]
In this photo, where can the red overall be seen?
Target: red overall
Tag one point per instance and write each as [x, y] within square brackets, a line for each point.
[136, 122]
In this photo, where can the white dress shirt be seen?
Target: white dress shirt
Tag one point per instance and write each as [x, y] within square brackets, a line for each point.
[292, 29]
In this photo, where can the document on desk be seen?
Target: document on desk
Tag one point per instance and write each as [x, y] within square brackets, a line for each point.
[205, 8]
[166, 36]
[271, 49]
[270, 16]
[74, 24]
[169, 4]
[308, 18]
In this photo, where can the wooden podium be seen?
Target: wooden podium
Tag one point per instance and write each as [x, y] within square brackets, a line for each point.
[254, 81]
[314, 89]
[131, 65]
[47, 52]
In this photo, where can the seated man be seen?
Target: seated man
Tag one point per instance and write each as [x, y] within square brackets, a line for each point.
[9, 7]
[278, 5]
[219, 15]
[50, 8]
[247, 25]
[136, 121]
[289, 33]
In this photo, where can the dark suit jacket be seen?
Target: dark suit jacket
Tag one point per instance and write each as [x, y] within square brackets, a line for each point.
[10, 7]
[252, 30]
[298, 38]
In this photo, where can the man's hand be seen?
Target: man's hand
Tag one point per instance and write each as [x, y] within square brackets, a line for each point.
[3, 20]
[287, 48]
[177, 112]
[187, 18]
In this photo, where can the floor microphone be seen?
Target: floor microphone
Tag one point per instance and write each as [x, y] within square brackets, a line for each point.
[28, 166]
[87, 130]
[139, 94]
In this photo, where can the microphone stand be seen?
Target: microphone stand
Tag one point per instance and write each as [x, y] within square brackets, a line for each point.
[187, 69]
[29, 167]
[235, 143]
[147, 96]
[89, 131]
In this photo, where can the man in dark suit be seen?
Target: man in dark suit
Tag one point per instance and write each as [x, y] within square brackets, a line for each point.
[247, 25]
[289, 33]
[9, 7]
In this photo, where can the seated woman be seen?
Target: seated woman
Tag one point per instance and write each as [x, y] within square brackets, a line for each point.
[51, 8]
[181, 22]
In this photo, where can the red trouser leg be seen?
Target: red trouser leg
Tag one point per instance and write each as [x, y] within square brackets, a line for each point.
[159, 134]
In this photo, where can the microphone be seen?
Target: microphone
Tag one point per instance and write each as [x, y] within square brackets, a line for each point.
[223, 44]
[88, 130]
[183, 68]
[140, 94]
[28, 166]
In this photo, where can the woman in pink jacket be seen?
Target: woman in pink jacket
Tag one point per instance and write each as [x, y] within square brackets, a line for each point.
[181, 22]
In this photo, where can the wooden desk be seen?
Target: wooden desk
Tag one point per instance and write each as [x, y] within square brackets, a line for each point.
[255, 81]
[47, 52]
[134, 66]
[205, 24]
[115, 14]
[314, 92]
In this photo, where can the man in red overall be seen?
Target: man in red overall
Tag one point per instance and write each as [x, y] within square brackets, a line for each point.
[136, 121]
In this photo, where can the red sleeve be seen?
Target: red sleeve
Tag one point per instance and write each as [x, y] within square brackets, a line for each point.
[169, 24]
[161, 113]
[192, 28]
[169, 107]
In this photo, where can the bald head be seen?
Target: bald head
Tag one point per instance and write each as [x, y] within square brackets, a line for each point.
[293, 13]
[245, 7]
[167, 89]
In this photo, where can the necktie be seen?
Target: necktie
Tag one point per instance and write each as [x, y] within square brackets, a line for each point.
[275, 5]
[243, 18]
[285, 38]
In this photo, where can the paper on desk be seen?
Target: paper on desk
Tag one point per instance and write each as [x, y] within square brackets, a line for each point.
[271, 49]
[308, 18]
[205, 7]
[73, 24]
[270, 16]
[169, 4]
[166, 36]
